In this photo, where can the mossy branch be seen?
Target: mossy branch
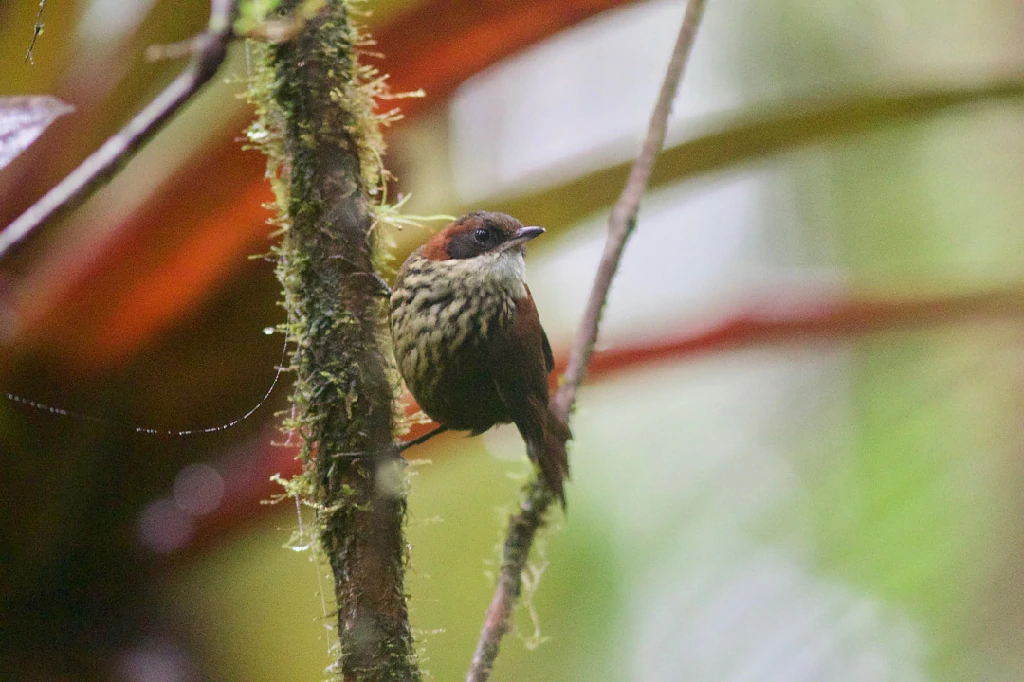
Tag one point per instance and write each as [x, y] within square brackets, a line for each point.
[322, 139]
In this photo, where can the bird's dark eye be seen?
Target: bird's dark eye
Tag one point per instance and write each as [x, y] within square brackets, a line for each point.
[482, 235]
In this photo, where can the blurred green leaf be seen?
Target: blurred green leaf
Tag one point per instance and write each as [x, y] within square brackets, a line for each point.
[750, 136]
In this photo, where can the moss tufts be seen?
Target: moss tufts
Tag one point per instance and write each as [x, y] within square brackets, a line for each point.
[316, 123]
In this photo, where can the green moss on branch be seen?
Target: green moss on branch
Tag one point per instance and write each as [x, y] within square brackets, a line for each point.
[317, 126]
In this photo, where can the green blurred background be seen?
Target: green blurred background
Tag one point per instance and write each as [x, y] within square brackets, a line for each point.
[841, 505]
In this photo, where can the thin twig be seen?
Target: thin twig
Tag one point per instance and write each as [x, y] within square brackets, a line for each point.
[102, 164]
[623, 217]
[536, 497]
[37, 31]
[179, 50]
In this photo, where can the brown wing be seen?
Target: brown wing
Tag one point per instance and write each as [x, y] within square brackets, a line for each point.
[519, 360]
[549, 357]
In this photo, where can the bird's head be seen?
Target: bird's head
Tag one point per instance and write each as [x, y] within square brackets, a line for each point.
[478, 234]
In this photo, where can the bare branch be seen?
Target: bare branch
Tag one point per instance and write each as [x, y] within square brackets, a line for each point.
[37, 31]
[623, 217]
[102, 164]
[536, 497]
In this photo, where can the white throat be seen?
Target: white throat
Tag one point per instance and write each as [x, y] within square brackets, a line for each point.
[507, 265]
[497, 272]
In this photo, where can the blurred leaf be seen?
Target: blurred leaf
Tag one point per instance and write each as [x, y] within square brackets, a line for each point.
[23, 119]
[729, 141]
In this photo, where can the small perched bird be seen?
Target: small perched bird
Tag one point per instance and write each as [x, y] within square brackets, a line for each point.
[468, 339]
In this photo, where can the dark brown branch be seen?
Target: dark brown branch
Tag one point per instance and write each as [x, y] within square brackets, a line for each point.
[322, 139]
[536, 497]
[104, 163]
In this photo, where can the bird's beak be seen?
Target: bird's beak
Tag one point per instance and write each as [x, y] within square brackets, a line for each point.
[524, 234]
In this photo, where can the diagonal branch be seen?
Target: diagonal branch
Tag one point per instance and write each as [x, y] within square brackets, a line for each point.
[104, 163]
[37, 31]
[623, 218]
[536, 497]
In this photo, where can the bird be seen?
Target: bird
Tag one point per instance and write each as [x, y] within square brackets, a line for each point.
[468, 339]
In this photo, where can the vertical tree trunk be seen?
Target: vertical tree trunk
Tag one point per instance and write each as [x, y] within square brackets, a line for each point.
[323, 147]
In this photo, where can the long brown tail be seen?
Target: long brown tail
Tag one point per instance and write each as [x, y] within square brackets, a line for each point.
[551, 458]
